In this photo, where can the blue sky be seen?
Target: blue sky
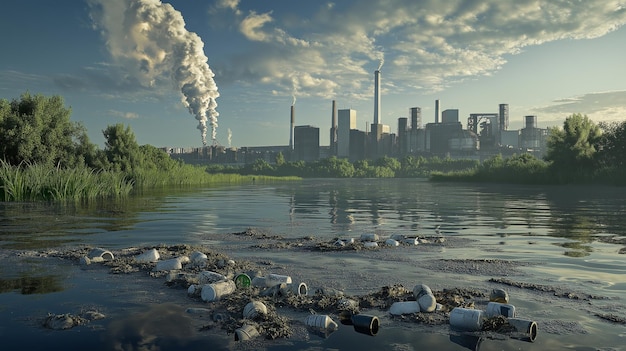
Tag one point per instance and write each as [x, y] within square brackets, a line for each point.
[119, 61]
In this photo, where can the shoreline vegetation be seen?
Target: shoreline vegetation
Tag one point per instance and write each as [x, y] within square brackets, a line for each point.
[46, 157]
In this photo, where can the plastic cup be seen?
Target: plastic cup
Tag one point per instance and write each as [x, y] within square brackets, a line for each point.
[254, 309]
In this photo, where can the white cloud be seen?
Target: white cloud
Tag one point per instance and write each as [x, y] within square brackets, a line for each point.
[124, 115]
[605, 106]
[427, 45]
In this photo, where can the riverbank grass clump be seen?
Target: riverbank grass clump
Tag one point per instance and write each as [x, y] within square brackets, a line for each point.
[37, 182]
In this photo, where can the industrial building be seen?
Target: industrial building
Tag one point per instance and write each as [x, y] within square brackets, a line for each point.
[486, 134]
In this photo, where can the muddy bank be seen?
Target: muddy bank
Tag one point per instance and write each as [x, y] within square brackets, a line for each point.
[286, 311]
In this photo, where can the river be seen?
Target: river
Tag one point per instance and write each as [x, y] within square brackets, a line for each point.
[564, 237]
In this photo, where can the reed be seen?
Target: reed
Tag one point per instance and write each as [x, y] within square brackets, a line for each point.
[36, 182]
[188, 175]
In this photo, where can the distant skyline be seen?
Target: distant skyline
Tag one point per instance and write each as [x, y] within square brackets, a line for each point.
[119, 61]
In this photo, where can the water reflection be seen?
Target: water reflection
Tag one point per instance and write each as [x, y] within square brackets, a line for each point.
[161, 327]
[468, 341]
[576, 213]
[39, 225]
[28, 284]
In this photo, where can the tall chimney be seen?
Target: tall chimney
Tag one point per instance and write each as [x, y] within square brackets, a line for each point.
[333, 130]
[377, 97]
[293, 118]
[437, 107]
[334, 114]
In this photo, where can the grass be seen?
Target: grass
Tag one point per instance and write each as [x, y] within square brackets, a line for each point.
[36, 182]
[27, 182]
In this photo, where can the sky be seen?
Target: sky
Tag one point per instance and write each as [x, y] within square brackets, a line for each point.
[186, 72]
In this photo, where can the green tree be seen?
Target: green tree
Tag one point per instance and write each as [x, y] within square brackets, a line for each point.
[280, 159]
[389, 162]
[260, 166]
[334, 167]
[37, 130]
[121, 150]
[612, 150]
[573, 147]
[157, 159]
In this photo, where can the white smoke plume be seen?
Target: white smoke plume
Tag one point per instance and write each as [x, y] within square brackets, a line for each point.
[148, 38]
[382, 61]
[230, 137]
[293, 102]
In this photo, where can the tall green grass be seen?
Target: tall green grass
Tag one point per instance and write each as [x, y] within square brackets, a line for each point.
[188, 175]
[36, 182]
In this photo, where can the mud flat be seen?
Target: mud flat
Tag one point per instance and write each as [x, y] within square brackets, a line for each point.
[286, 310]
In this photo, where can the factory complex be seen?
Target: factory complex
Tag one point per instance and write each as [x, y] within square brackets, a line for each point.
[486, 134]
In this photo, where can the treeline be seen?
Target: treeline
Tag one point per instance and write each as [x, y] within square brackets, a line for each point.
[579, 152]
[45, 156]
[333, 167]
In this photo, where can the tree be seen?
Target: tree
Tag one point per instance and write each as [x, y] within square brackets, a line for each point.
[37, 130]
[121, 150]
[280, 159]
[573, 147]
[612, 150]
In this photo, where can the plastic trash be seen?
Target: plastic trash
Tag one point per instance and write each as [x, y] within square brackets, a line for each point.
[208, 277]
[499, 295]
[500, 309]
[420, 290]
[427, 303]
[365, 324]
[168, 265]
[347, 304]
[254, 309]
[320, 321]
[106, 255]
[299, 289]
[149, 256]
[398, 237]
[466, 319]
[404, 307]
[369, 237]
[527, 328]
[242, 280]
[246, 332]
[411, 241]
[215, 291]
[198, 258]
[392, 242]
[275, 279]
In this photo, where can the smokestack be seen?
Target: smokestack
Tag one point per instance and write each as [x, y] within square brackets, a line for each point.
[334, 114]
[437, 108]
[377, 97]
[293, 119]
[333, 130]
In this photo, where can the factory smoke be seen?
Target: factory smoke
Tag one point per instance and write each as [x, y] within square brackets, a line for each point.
[149, 40]
[230, 137]
[382, 62]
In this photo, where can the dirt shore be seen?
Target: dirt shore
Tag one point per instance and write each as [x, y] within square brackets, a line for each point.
[286, 310]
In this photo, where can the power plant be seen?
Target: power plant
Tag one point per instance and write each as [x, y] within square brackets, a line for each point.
[486, 134]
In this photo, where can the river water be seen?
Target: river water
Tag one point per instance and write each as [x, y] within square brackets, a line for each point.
[553, 236]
